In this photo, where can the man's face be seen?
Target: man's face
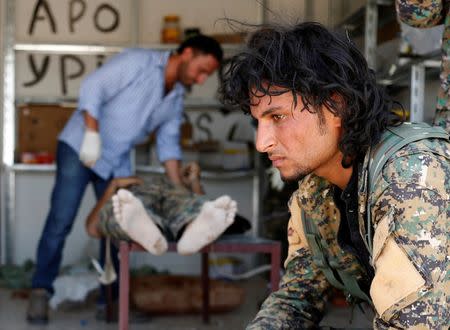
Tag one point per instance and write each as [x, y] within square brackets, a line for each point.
[195, 68]
[294, 139]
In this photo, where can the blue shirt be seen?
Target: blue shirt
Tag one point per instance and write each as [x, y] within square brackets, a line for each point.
[126, 96]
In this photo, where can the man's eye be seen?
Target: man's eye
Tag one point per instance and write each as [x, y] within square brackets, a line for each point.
[278, 117]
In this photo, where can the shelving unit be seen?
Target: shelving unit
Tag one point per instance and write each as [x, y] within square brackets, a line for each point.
[10, 168]
[368, 20]
[415, 74]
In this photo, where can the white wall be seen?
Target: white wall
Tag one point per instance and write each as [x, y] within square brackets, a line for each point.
[33, 199]
[83, 28]
[207, 15]
[327, 12]
[2, 12]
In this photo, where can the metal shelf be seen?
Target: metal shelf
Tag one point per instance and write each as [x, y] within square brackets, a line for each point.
[34, 167]
[402, 73]
[355, 22]
[99, 49]
[67, 48]
[207, 174]
[189, 102]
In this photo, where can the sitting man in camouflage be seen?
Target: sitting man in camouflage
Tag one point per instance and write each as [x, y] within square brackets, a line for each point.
[150, 210]
[371, 212]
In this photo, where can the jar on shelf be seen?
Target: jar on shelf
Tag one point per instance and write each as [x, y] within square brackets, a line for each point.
[171, 31]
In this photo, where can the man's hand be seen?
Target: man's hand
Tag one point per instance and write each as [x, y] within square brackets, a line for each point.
[190, 176]
[190, 173]
[90, 148]
[126, 182]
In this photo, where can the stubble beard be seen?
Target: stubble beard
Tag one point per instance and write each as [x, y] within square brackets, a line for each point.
[296, 177]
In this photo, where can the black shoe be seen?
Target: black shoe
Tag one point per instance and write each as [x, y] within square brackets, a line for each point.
[134, 317]
[37, 312]
[101, 313]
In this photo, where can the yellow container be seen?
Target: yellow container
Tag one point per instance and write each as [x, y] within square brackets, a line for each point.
[171, 32]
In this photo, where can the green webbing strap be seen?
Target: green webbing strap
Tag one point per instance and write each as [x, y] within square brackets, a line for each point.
[392, 141]
[352, 286]
[318, 247]
[396, 138]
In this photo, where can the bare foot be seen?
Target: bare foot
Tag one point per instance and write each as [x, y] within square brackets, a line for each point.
[213, 220]
[134, 220]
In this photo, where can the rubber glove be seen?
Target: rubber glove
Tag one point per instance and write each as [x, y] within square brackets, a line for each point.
[90, 148]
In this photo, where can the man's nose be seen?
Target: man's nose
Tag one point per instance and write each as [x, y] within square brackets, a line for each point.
[264, 139]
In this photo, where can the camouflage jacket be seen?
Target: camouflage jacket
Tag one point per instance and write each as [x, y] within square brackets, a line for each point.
[425, 14]
[410, 213]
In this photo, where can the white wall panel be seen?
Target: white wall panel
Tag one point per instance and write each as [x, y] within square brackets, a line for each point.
[207, 15]
[106, 13]
[33, 199]
[60, 78]
[285, 11]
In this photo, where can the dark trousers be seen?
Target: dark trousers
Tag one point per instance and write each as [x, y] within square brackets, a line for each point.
[72, 178]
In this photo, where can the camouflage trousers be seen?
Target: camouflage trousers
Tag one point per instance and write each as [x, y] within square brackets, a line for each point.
[170, 207]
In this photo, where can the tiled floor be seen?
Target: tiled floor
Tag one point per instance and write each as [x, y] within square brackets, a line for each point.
[12, 315]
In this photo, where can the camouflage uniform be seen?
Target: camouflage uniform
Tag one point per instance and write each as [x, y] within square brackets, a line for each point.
[170, 207]
[428, 13]
[410, 212]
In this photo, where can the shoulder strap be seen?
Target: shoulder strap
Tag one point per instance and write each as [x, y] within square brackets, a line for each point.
[392, 140]
[318, 255]
[396, 138]
[328, 265]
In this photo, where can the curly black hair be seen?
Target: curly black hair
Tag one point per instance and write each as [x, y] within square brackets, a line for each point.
[322, 68]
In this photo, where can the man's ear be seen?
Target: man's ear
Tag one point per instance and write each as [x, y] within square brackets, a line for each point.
[340, 104]
[187, 54]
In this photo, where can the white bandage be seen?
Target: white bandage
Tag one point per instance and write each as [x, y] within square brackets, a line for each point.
[90, 148]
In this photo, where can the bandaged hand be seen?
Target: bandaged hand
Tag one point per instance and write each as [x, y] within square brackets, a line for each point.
[90, 148]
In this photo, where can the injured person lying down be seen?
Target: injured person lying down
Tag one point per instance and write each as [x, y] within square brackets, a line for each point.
[150, 211]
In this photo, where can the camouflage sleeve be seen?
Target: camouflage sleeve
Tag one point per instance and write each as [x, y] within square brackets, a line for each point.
[420, 13]
[411, 287]
[300, 301]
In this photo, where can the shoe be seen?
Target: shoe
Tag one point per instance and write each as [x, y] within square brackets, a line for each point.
[37, 312]
[135, 316]
[100, 313]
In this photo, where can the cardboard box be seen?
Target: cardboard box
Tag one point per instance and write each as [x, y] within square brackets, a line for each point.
[39, 126]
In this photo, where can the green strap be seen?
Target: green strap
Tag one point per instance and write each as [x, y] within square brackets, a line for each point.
[329, 266]
[396, 138]
[319, 259]
[352, 286]
[392, 140]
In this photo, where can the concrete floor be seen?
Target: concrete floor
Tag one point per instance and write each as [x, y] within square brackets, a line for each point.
[82, 316]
